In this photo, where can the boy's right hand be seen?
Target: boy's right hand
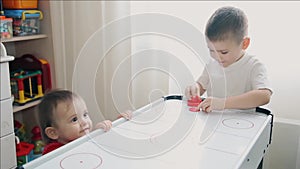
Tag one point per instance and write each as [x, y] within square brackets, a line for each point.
[192, 90]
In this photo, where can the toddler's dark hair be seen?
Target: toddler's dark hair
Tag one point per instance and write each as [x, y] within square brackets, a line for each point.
[48, 106]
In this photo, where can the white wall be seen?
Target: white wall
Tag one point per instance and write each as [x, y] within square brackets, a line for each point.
[284, 151]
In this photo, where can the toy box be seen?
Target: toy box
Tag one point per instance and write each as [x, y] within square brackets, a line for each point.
[6, 28]
[25, 22]
[20, 4]
[26, 85]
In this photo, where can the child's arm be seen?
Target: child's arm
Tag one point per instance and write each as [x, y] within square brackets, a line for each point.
[247, 100]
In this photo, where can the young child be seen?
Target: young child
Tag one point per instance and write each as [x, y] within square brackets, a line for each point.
[233, 79]
[64, 117]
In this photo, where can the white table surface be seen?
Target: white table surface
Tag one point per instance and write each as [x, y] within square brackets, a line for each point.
[164, 134]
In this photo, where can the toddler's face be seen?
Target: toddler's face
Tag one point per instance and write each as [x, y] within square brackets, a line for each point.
[72, 120]
[225, 52]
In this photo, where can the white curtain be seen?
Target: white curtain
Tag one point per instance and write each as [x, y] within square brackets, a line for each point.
[87, 56]
[118, 57]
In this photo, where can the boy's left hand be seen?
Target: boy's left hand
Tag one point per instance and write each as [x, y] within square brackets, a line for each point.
[212, 103]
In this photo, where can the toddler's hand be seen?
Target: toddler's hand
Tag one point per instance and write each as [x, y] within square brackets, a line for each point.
[212, 103]
[105, 125]
[192, 90]
[127, 115]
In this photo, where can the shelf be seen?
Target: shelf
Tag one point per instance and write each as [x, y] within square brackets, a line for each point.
[23, 38]
[27, 105]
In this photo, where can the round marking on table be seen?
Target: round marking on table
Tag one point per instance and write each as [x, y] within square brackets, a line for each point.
[237, 123]
[81, 160]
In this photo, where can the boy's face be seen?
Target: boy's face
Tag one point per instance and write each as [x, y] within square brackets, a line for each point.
[226, 52]
[72, 120]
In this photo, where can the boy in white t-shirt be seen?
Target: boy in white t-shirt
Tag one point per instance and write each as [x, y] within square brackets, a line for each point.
[233, 79]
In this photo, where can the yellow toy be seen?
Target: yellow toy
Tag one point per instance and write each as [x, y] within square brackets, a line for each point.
[26, 85]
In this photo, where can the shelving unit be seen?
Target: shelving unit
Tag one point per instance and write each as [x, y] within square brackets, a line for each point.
[7, 134]
[26, 106]
[41, 46]
[24, 38]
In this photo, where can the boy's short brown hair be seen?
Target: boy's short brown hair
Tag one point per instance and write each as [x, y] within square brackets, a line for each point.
[226, 23]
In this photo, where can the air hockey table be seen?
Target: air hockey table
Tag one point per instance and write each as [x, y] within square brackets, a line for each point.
[166, 135]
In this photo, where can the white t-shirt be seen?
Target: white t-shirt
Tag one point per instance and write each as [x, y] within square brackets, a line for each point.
[242, 76]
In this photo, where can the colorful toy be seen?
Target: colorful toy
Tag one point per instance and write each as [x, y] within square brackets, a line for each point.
[37, 141]
[20, 131]
[194, 109]
[193, 103]
[24, 151]
[26, 85]
[25, 22]
[30, 62]
[20, 4]
[6, 31]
